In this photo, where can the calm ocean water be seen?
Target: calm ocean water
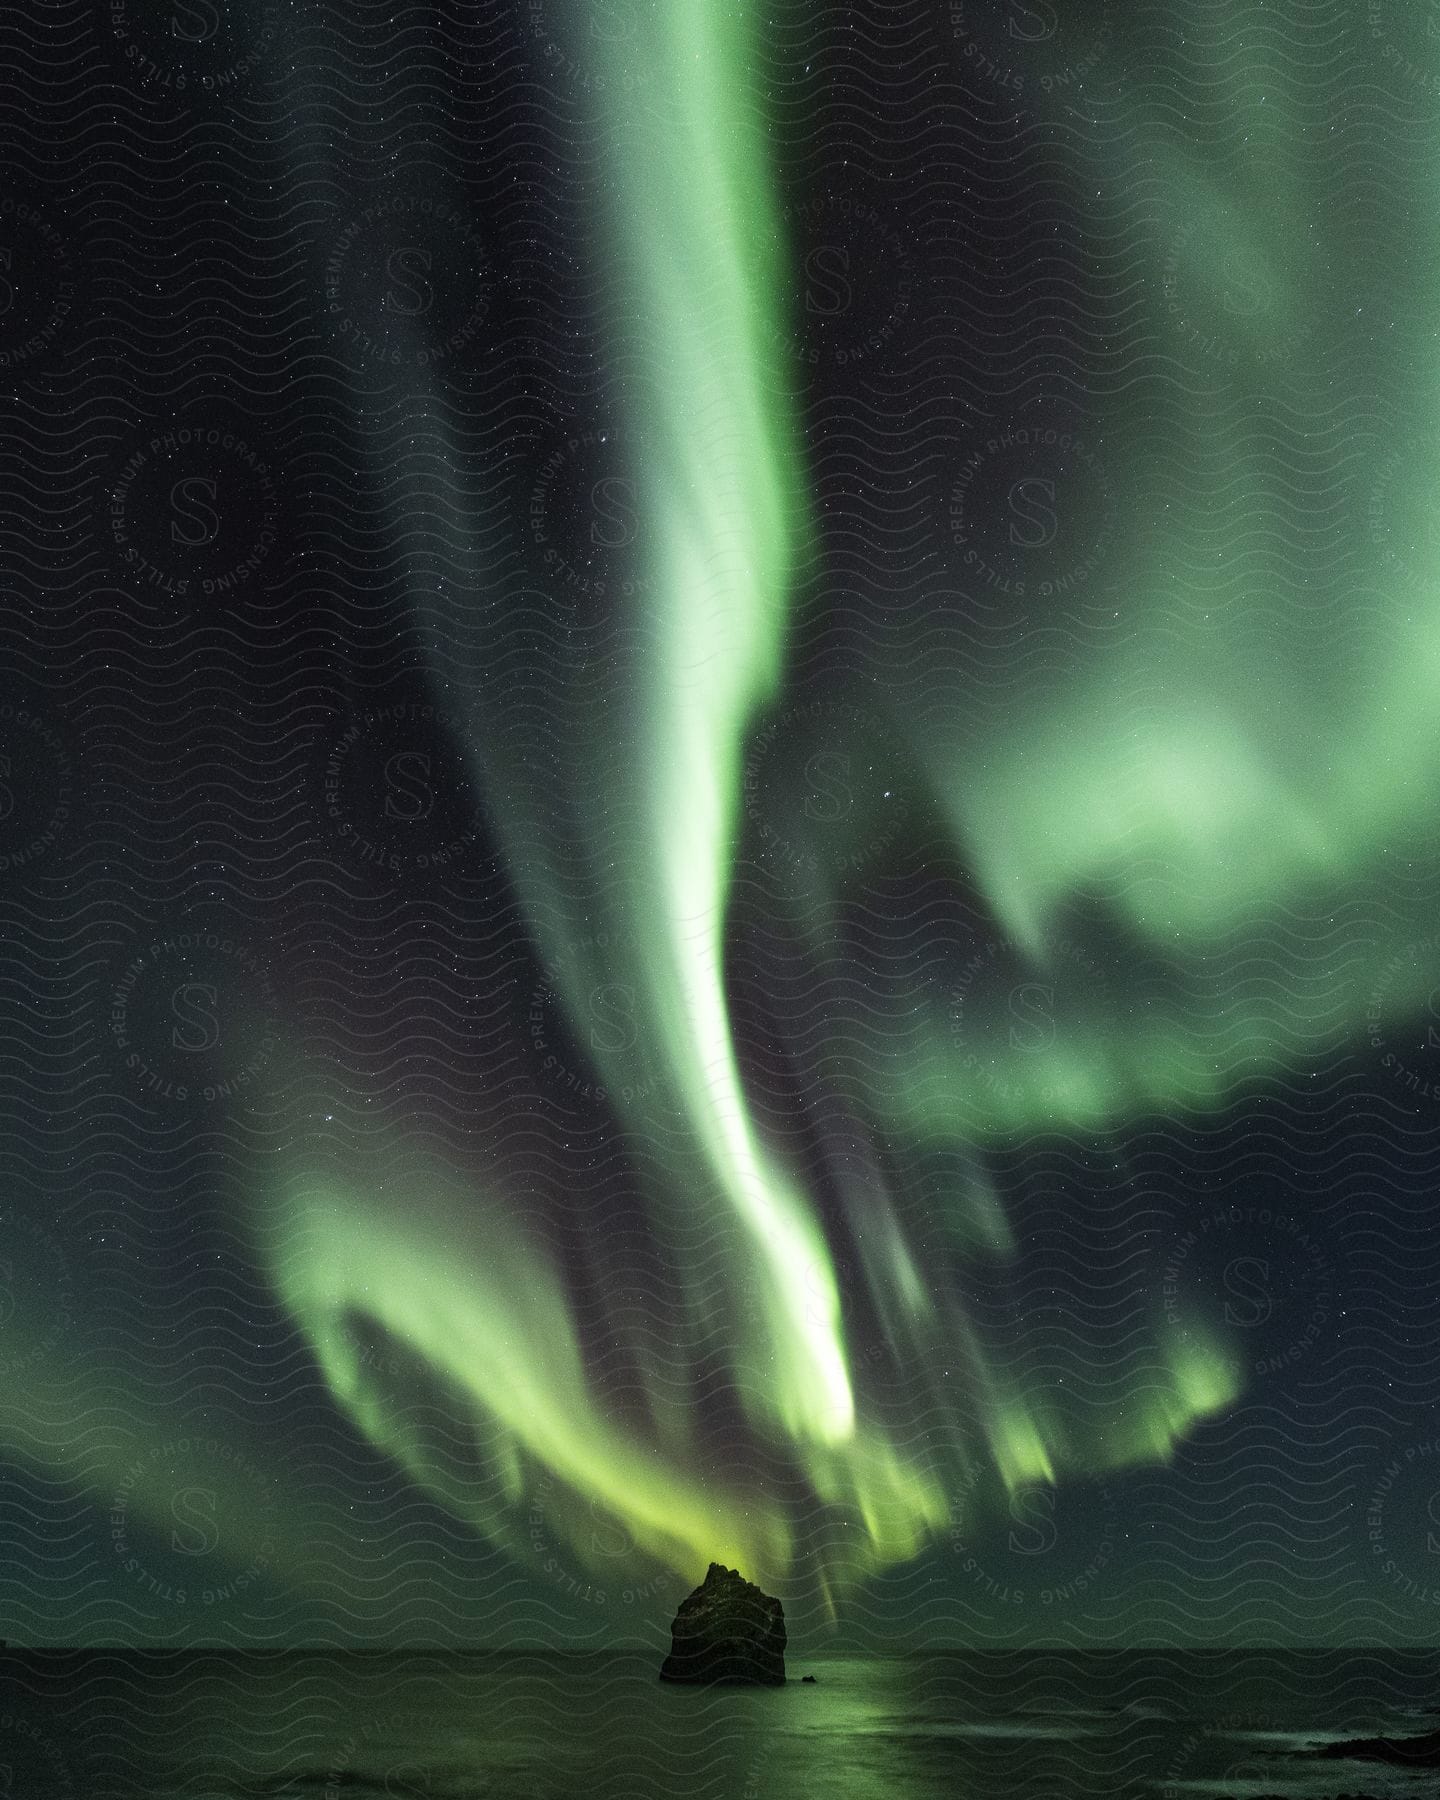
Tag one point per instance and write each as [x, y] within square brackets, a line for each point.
[382, 1726]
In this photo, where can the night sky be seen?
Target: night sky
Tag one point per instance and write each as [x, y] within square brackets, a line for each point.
[718, 780]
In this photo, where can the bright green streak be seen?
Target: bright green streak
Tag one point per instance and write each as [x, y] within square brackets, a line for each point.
[703, 274]
[722, 481]
[703, 281]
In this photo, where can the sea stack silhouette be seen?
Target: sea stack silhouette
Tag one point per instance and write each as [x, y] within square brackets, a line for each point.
[727, 1630]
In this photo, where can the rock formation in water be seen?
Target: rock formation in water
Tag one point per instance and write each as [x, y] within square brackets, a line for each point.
[727, 1630]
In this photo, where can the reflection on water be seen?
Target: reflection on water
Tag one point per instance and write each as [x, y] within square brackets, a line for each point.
[318, 1726]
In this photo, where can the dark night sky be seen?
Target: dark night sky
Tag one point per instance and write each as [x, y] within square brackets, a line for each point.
[334, 585]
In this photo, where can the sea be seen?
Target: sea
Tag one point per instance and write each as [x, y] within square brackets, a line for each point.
[324, 1725]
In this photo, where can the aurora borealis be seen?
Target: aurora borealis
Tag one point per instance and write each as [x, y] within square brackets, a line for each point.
[791, 920]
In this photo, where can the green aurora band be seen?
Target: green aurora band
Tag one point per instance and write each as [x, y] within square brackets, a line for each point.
[703, 273]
